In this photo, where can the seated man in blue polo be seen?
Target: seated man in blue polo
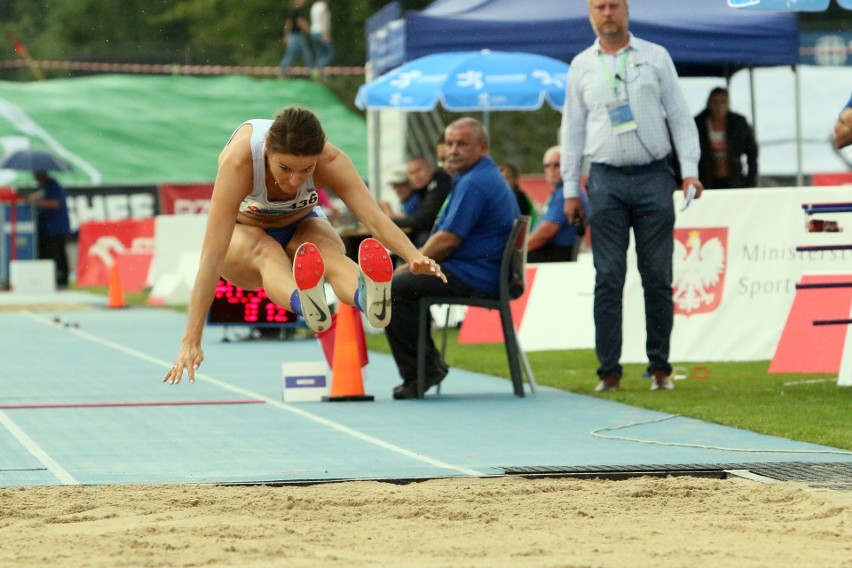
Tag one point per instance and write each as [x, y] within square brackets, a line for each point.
[553, 238]
[468, 241]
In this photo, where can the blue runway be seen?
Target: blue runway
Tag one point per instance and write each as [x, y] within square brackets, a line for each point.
[81, 402]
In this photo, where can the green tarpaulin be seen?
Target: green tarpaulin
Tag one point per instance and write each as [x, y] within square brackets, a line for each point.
[128, 129]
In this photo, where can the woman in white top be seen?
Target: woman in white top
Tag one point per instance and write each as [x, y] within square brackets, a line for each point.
[264, 213]
[321, 34]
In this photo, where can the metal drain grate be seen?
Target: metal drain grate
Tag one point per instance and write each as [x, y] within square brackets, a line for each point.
[831, 475]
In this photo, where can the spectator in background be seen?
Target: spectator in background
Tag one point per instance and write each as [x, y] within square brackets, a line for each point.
[53, 224]
[843, 127]
[553, 238]
[432, 186]
[321, 35]
[409, 205]
[468, 240]
[324, 200]
[441, 152]
[296, 29]
[409, 200]
[511, 175]
[725, 138]
[624, 108]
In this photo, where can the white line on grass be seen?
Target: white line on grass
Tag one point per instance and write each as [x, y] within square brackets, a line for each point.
[807, 382]
[276, 403]
[599, 434]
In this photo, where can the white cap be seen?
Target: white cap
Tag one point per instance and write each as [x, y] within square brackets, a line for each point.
[398, 176]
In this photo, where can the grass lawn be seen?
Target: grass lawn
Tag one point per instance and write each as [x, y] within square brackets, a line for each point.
[809, 408]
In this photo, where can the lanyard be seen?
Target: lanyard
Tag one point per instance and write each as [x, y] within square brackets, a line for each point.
[621, 64]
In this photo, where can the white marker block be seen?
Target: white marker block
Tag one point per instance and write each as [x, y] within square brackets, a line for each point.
[305, 382]
[32, 276]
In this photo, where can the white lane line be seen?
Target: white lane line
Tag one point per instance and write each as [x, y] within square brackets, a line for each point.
[276, 403]
[38, 453]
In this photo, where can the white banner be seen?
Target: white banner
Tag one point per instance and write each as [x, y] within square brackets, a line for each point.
[736, 268]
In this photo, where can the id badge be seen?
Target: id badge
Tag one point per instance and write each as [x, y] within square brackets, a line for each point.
[621, 117]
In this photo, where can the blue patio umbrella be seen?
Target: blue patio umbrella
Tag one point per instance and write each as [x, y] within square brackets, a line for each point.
[469, 81]
[34, 161]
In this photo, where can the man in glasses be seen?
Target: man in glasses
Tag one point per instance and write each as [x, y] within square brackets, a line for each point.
[553, 238]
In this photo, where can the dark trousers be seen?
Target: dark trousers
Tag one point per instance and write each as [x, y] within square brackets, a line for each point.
[553, 253]
[407, 289]
[52, 247]
[620, 199]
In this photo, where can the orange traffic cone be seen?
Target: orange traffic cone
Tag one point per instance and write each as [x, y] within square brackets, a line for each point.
[346, 381]
[116, 292]
[326, 340]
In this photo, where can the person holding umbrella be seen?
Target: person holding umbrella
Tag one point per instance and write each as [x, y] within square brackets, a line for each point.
[53, 224]
[51, 202]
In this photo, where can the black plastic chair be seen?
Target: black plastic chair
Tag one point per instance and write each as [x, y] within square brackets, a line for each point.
[512, 285]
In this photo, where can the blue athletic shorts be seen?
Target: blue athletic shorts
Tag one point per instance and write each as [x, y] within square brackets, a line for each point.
[284, 234]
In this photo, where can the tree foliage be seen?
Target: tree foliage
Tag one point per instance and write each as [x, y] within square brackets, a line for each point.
[224, 32]
[242, 32]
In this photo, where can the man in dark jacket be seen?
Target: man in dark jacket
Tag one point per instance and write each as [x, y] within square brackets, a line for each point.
[725, 137]
[433, 185]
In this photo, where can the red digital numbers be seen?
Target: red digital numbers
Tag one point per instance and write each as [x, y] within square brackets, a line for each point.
[233, 305]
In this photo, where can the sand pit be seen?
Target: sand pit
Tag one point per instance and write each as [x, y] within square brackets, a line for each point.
[653, 522]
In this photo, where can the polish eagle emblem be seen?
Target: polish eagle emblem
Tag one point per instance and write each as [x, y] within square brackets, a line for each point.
[699, 269]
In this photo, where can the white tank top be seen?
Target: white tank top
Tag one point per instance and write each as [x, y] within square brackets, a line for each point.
[257, 203]
[317, 10]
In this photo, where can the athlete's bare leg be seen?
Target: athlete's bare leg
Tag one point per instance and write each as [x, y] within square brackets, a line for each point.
[256, 260]
[341, 272]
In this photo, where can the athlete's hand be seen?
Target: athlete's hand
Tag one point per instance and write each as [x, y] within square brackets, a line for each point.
[425, 265]
[189, 359]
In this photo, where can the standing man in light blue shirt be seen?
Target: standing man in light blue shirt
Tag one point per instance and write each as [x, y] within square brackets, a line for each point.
[623, 110]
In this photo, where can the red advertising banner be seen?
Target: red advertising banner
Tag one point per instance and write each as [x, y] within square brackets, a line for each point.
[808, 348]
[100, 243]
[844, 178]
[183, 199]
[538, 189]
[483, 326]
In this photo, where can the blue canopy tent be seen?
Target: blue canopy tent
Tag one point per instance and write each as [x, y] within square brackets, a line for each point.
[704, 37]
[787, 5]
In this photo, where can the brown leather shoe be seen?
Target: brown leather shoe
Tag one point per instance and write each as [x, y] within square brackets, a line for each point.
[608, 383]
[661, 380]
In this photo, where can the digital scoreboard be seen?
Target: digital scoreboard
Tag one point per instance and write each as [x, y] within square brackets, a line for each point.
[235, 306]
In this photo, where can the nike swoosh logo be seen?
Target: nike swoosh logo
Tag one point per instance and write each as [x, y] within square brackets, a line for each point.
[381, 315]
[322, 315]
